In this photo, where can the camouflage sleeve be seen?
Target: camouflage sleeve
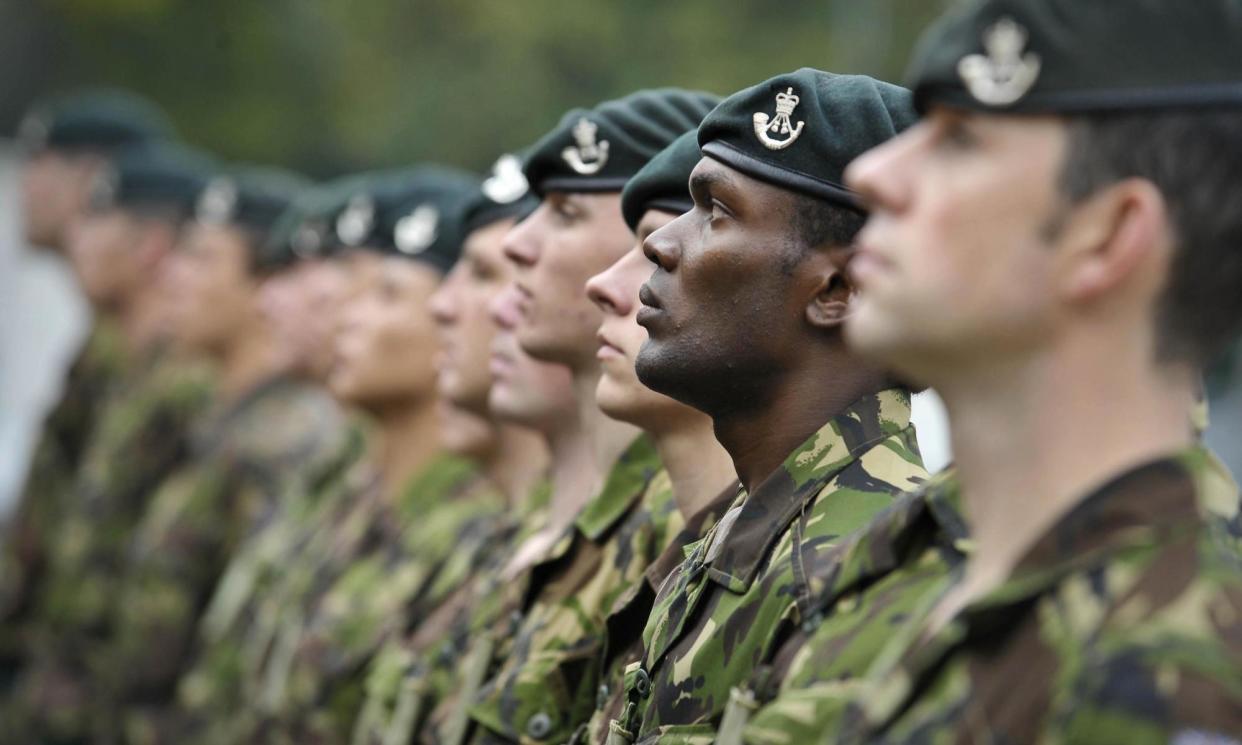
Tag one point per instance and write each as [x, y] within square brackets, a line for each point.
[1170, 689]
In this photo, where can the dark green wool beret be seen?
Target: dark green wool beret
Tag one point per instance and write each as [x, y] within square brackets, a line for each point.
[664, 183]
[97, 120]
[160, 176]
[504, 194]
[800, 130]
[414, 213]
[600, 149]
[254, 199]
[1068, 56]
[307, 229]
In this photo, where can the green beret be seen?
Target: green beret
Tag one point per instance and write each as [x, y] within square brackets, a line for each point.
[251, 198]
[1067, 56]
[307, 230]
[98, 120]
[414, 213]
[159, 176]
[799, 131]
[599, 149]
[664, 183]
[504, 194]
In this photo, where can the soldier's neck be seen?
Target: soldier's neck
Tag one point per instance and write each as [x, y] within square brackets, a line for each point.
[1032, 437]
[517, 463]
[408, 439]
[698, 465]
[761, 430]
[248, 361]
[584, 450]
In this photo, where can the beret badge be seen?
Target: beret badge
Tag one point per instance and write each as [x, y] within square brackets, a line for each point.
[217, 203]
[414, 233]
[507, 184]
[587, 156]
[1004, 75]
[780, 124]
[356, 222]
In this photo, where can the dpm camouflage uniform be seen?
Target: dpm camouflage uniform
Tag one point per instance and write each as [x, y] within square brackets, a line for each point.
[623, 638]
[413, 671]
[47, 495]
[497, 618]
[717, 613]
[1123, 623]
[865, 590]
[246, 457]
[546, 685]
[213, 690]
[441, 524]
[141, 435]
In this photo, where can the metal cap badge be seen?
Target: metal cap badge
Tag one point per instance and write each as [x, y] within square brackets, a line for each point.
[1004, 75]
[356, 221]
[414, 233]
[507, 184]
[587, 157]
[780, 124]
[217, 202]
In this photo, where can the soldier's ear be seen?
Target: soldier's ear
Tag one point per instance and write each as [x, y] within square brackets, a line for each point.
[830, 305]
[1120, 237]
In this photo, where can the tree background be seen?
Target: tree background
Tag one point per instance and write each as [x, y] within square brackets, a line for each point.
[330, 86]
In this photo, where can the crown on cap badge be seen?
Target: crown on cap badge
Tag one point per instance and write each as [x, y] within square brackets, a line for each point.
[507, 184]
[780, 124]
[1004, 74]
[415, 232]
[217, 202]
[356, 222]
[587, 157]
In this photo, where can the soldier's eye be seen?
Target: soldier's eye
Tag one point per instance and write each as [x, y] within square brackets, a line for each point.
[957, 134]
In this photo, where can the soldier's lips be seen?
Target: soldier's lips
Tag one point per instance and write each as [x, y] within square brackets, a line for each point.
[607, 349]
[651, 310]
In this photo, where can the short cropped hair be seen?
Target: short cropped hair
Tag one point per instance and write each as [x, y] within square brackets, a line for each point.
[1194, 158]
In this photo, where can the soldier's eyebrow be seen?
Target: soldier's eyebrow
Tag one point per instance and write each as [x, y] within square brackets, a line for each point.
[703, 184]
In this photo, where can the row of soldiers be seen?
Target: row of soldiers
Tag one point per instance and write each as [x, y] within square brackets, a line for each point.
[614, 445]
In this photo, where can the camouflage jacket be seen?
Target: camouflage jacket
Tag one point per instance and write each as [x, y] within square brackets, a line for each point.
[245, 457]
[546, 682]
[414, 671]
[1122, 624]
[863, 593]
[141, 435]
[47, 493]
[718, 612]
[237, 625]
[410, 560]
[623, 639]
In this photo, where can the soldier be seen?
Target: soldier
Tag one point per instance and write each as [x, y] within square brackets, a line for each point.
[821, 440]
[118, 248]
[265, 435]
[66, 143]
[1065, 317]
[380, 567]
[608, 518]
[301, 300]
[697, 465]
[408, 676]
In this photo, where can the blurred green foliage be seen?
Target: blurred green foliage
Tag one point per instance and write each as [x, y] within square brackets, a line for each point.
[328, 86]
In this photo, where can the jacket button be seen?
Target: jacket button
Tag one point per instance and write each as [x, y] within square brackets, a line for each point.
[539, 726]
[642, 683]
